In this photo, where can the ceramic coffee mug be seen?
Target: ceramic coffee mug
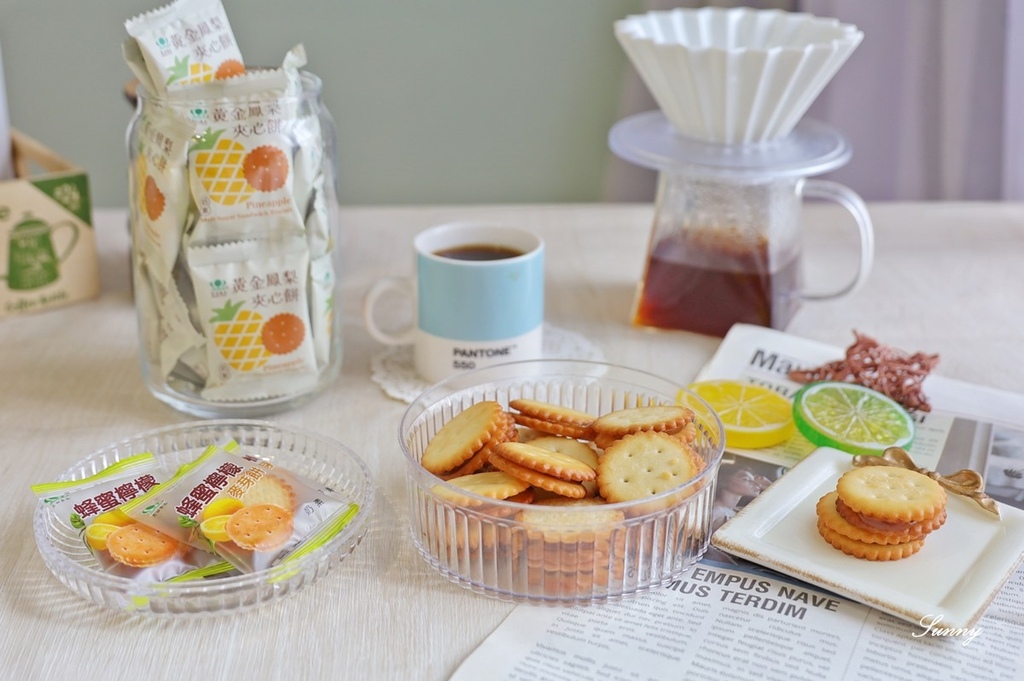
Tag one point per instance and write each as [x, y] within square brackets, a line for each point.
[479, 292]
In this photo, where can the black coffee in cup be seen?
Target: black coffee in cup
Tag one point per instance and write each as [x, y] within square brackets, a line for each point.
[479, 252]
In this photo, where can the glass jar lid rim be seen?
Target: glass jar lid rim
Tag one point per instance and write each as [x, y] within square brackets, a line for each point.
[312, 85]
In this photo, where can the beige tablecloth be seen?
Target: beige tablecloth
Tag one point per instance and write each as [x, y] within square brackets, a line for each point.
[947, 279]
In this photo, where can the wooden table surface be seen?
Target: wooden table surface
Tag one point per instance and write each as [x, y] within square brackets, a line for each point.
[947, 280]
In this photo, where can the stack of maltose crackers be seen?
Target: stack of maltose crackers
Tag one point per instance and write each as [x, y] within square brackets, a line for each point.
[564, 466]
[881, 512]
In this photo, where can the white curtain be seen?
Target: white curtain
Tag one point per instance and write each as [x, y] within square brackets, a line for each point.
[932, 101]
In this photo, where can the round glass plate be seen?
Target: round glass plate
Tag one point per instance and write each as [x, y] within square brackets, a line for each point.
[649, 140]
[553, 554]
[305, 454]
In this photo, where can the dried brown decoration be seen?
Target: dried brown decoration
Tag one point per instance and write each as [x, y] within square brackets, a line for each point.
[890, 371]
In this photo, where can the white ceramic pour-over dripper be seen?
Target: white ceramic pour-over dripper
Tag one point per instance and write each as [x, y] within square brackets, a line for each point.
[735, 76]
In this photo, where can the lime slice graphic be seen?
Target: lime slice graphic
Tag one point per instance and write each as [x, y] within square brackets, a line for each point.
[852, 418]
[753, 416]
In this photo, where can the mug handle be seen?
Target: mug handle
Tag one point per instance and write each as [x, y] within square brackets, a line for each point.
[848, 199]
[71, 243]
[381, 287]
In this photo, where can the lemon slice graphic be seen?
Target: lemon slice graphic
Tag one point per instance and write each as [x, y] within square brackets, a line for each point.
[753, 416]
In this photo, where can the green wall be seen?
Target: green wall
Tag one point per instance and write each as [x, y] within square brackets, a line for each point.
[436, 101]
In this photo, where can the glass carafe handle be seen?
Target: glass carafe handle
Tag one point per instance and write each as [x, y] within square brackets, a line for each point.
[848, 199]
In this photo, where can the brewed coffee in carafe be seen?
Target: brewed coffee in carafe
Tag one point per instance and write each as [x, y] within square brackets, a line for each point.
[721, 253]
[725, 246]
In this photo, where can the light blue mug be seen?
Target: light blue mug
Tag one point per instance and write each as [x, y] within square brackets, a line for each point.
[479, 292]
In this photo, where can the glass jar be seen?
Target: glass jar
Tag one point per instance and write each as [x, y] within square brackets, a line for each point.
[235, 248]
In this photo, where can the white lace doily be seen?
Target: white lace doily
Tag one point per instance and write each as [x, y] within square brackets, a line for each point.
[392, 368]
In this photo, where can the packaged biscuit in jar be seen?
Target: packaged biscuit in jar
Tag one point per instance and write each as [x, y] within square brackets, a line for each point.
[253, 301]
[185, 42]
[121, 545]
[161, 210]
[321, 307]
[248, 510]
[167, 330]
[158, 182]
[241, 159]
[311, 190]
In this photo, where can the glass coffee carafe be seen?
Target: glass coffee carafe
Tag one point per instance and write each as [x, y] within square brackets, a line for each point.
[726, 242]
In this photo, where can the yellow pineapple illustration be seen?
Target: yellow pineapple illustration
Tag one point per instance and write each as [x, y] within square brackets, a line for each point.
[218, 164]
[237, 333]
[185, 72]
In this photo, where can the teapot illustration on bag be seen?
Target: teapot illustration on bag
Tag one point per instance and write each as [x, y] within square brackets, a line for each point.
[32, 260]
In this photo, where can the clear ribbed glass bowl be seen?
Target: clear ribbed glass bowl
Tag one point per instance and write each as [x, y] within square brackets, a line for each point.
[560, 555]
[318, 458]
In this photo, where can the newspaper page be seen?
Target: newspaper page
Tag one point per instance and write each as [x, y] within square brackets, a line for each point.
[730, 619]
[720, 623]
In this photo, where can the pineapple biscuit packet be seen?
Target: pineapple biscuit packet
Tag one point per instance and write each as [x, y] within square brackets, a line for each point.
[321, 307]
[121, 545]
[137, 63]
[250, 511]
[310, 187]
[149, 315]
[318, 226]
[160, 183]
[160, 213]
[184, 42]
[241, 159]
[252, 297]
[168, 328]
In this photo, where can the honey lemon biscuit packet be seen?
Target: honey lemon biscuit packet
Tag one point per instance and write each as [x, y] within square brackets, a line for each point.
[121, 545]
[252, 297]
[186, 41]
[250, 511]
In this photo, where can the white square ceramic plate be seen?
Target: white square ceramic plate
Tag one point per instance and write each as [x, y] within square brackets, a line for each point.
[956, 574]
